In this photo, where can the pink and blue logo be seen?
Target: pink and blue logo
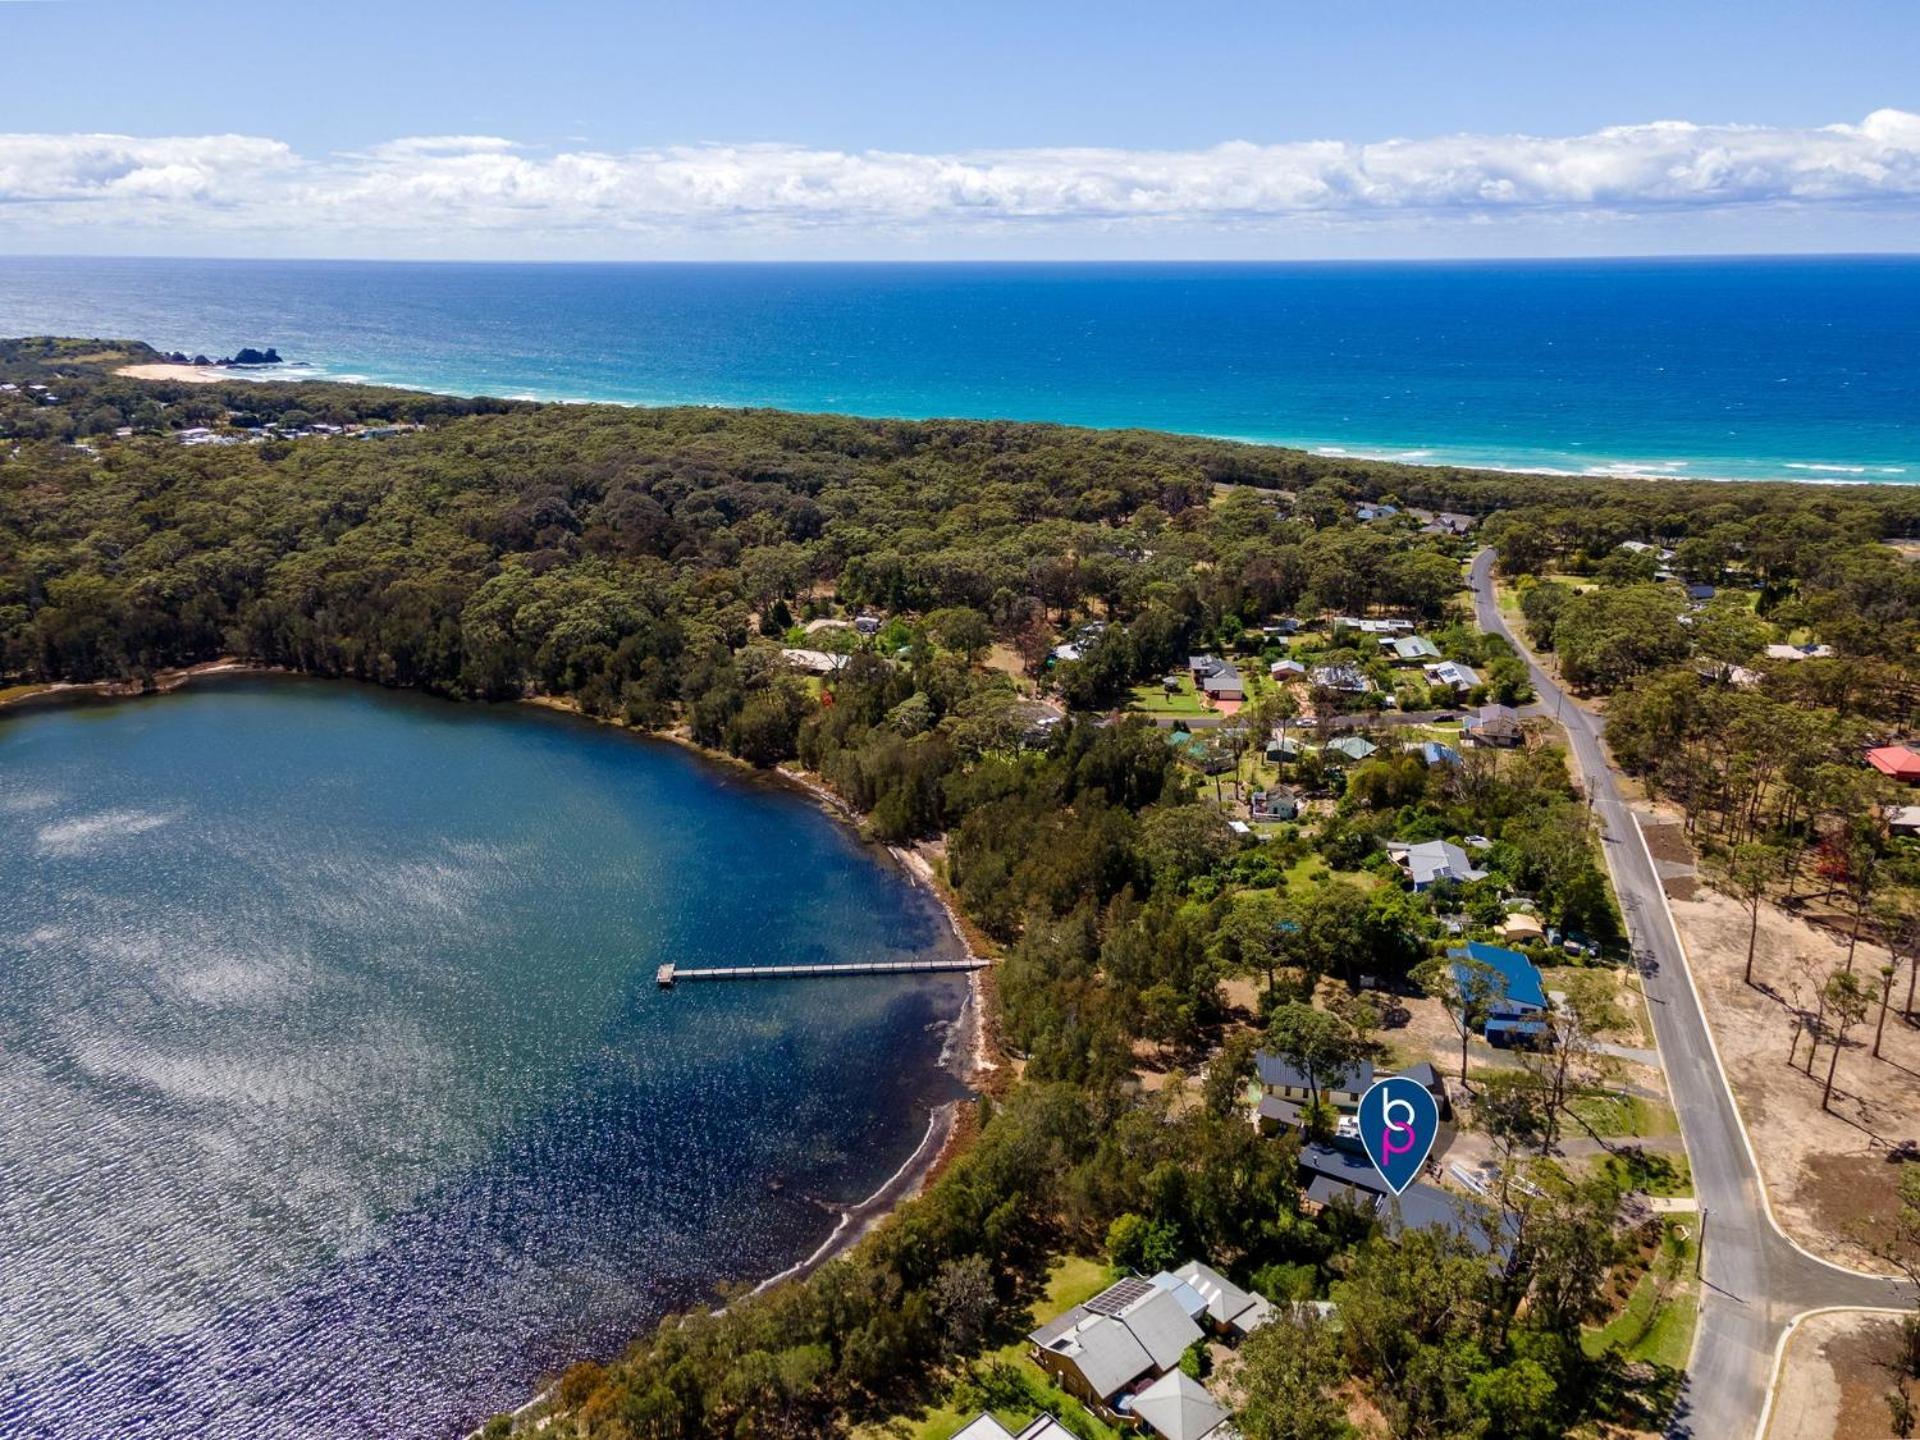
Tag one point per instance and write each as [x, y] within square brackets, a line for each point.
[1399, 1121]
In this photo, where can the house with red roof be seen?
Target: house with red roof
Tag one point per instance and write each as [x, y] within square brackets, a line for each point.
[1897, 762]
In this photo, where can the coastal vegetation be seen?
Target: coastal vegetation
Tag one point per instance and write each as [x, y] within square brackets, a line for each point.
[652, 566]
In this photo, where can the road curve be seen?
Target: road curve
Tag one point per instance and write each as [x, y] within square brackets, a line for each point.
[1757, 1279]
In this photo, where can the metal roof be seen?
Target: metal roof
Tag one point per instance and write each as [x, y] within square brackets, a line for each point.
[1433, 860]
[1224, 1299]
[1106, 1353]
[1178, 1407]
[1324, 1190]
[1159, 1323]
[1274, 1071]
[1519, 981]
[1337, 1162]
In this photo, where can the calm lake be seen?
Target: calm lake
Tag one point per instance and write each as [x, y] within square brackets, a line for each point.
[336, 1098]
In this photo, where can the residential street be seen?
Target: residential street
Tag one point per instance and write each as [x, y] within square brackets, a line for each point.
[1757, 1279]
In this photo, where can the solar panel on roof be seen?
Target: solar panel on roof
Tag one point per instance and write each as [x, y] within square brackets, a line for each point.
[1117, 1296]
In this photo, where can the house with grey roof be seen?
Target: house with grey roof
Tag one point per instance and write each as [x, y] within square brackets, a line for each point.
[1340, 1175]
[1285, 1089]
[1278, 803]
[1432, 862]
[1453, 675]
[1041, 1427]
[1132, 1330]
[1342, 678]
[1178, 1407]
[1412, 649]
[1494, 725]
[814, 662]
[1224, 682]
[1227, 1308]
[1348, 747]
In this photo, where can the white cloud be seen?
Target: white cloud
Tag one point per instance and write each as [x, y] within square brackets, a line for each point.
[485, 185]
[215, 169]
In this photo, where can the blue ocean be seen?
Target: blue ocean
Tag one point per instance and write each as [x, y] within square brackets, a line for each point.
[1798, 368]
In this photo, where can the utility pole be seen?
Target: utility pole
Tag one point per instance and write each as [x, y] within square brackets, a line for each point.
[1700, 1245]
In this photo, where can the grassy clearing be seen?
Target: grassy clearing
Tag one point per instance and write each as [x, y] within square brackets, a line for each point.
[1595, 996]
[1307, 869]
[1152, 699]
[1668, 1176]
[1617, 1116]
[1657, 1323]
[20, 692]
[1072, 1281]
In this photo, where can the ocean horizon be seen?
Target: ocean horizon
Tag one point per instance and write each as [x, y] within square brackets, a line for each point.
[1748, 368]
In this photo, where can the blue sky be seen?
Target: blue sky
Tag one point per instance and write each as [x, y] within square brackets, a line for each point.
[1044, 128]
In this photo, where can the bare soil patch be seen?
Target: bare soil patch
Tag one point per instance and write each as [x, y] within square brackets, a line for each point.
[1836, 1377]
[1827, 1173]
[1006, 659]
[1668, 843]
[1242, 994]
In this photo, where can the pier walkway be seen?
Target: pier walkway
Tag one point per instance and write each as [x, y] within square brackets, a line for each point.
[670, 975]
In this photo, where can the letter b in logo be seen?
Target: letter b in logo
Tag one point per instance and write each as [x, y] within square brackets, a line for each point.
[1399, 1122]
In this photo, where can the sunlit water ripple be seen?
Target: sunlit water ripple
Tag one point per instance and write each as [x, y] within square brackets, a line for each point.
[335, 1095]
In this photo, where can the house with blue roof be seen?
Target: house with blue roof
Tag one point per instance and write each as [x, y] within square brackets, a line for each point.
[1517, 1007]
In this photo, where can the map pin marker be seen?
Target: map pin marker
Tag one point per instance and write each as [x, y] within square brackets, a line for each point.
[1399, 1121]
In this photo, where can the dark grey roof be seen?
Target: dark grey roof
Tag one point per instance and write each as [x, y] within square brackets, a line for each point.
[1275, 1071]
[1337, 1162]
[1423, 1073]
[1323, 1190]
[1427, 1207]
[1284, 1112]
[1058, 1326]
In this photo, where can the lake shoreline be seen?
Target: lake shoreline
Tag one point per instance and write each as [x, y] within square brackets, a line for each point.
[966, 1055]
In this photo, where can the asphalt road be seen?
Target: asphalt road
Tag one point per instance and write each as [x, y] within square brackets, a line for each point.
[1756, 1279]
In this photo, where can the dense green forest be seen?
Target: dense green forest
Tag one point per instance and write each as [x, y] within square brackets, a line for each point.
[649, 565]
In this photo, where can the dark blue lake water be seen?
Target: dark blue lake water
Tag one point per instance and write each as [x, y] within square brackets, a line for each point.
[1805, 368]
[336, 1098]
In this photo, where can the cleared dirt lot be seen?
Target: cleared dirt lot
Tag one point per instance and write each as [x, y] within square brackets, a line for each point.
[1828, 1174]
[1836, 1378]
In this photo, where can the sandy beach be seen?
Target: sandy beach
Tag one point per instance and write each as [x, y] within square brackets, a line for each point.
[185, 374]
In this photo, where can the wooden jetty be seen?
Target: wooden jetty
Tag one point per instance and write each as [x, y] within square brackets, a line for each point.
[669, 975]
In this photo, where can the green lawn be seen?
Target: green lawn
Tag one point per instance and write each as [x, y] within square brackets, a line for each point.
[1657, 1323]
[1625, 1116]
[1664, 1175]
[1152, 699]
[1071, 1281]
[1306, 869]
